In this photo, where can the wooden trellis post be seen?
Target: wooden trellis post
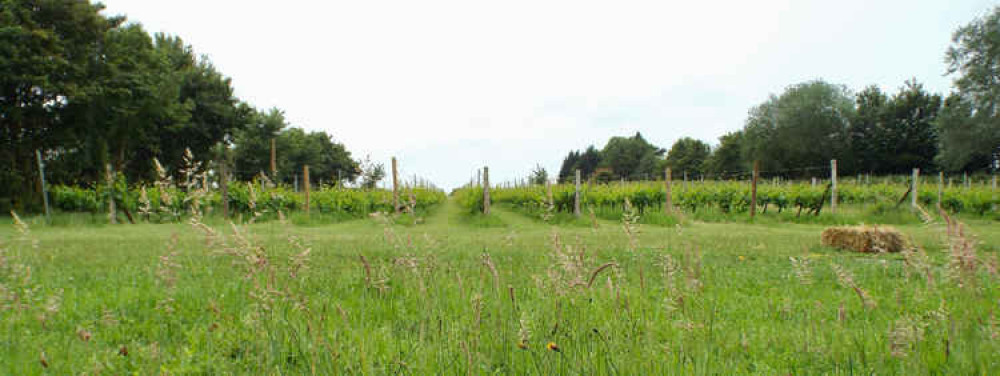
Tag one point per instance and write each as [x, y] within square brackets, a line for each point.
[753, 189]
[940, 186]
[274, 162]
[576, 197]
[45, 189]
[486, 190]
[224, 186]
[833, 186]
[110, 180]
[395, 186]
[305, 182]
[668, 205]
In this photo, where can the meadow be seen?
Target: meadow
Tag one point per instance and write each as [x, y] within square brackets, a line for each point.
[462, 294]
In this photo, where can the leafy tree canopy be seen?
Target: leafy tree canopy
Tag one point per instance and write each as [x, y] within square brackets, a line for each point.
[688, 155]
[969, 124]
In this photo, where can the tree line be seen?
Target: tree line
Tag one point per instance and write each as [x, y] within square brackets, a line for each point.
[870, 131]
[87, 90]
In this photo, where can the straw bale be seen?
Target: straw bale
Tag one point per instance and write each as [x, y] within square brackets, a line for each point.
[865, 239]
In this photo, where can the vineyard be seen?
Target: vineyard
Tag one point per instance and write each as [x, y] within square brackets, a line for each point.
[730, 197]
[250, 199]
[449, 296]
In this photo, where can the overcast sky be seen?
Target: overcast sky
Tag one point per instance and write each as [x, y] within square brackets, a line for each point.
[450, 86]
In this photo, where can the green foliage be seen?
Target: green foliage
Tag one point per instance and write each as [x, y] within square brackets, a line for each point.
[327, 160]
[470, 199]
[869, 117]
[88, 90]
[539, 175]
[727, 159]
[294, 148]
[806, 126]
[245, 200]
[725, 197]
[46, 50]
[371, 172]
[970, 127]
[252, 144]
[632, 157]
[895, 135]
[969, 140]
[688, 155]
[586, 161]
[567, 171]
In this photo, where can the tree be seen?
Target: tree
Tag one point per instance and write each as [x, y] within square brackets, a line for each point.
[589, 160]
[87, 90]
[631, 157]
[806, 126]
[213, 108]
[726, 159]
[295, 148]
[371, 172]
[135, 97]
[965, 141]
[759, 135]
[252, 143]
[326, 160]
[970, 126]
[909, 138]
[569, 166]
[539, 175]
[147, 98]
[865, 129]
[688, 155]
[46, 50]
[586, 161]
[895, 135]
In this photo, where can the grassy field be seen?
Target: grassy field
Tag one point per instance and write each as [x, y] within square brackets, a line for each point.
[500, 295]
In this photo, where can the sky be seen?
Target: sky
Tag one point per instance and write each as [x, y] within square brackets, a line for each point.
[451, 86]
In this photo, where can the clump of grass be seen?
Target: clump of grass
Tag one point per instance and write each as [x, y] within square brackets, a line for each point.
[963, 262]
[594, 225]
[681, 278]
[549, 206]
[166, 276]
[488, 263]
[846, 279]
[916, 259]
[568, 270]
[20, 293]
[378, 281]
[482, 220]
[524, 332]
[802, 269]
[164, 183]
[907, 331]
[593, 275]
[630, 224]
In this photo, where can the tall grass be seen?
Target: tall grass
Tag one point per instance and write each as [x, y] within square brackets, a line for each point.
[446, 296]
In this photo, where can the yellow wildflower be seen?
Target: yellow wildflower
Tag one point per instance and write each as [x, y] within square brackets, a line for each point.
[552, 347]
